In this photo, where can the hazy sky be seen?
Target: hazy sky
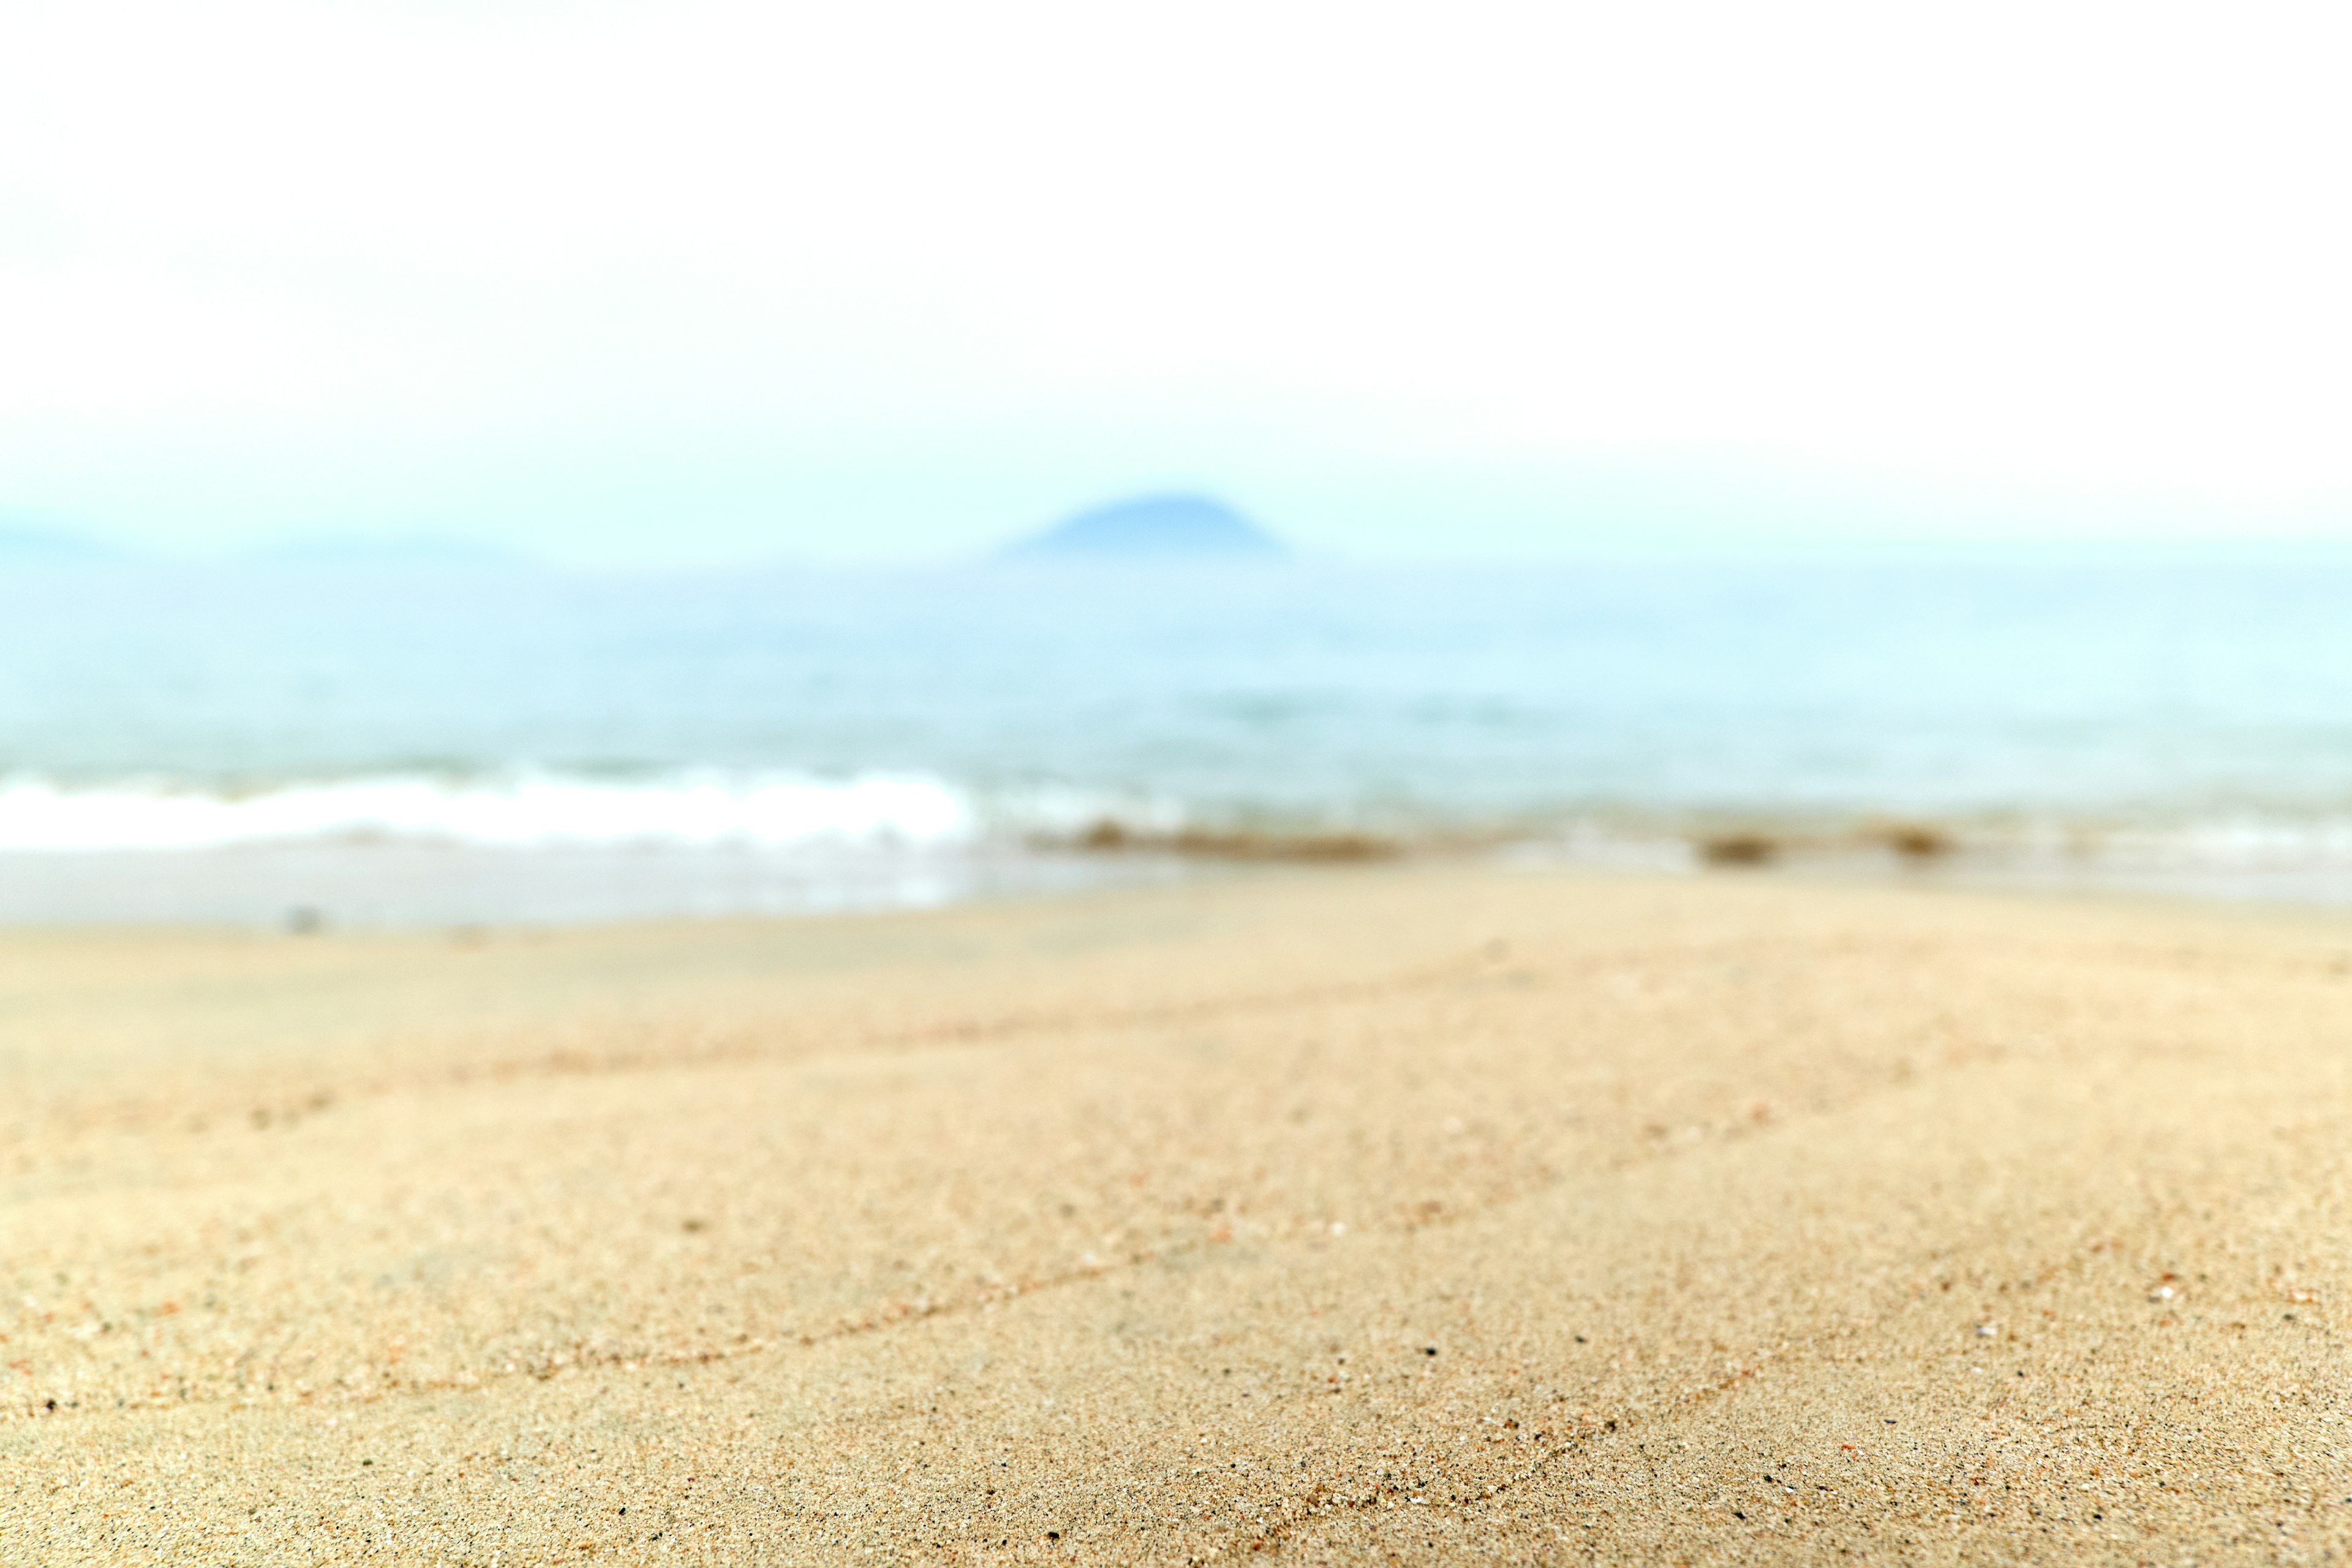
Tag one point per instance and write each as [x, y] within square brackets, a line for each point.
[613, 282]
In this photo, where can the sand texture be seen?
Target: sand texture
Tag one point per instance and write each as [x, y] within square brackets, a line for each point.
[1359, 1215]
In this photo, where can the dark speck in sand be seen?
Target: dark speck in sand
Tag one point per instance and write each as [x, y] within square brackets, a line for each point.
[1429, 1350]
[1053, 1535]
[1738, 849]
[1915, 841]
[1107, 836]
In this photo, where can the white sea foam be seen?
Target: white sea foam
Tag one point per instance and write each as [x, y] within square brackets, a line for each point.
[522, 811]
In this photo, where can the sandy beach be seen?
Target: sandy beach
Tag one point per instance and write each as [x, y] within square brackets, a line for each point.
[1363, 1215]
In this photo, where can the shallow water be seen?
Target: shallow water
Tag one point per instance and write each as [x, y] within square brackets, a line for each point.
[790, 740]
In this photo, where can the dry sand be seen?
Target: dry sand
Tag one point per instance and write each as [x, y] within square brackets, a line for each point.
[1363, 1215]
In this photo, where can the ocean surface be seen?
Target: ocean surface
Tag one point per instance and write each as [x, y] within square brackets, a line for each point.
[404, 745]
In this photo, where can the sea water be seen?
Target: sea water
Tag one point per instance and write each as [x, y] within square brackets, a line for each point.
[388, 744]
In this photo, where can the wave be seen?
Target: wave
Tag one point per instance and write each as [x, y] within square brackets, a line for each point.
[524, 811]
[876, 819]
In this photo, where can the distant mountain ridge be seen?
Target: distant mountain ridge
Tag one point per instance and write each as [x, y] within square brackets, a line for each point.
[362, 549]
[1156, 528]
[44, 545]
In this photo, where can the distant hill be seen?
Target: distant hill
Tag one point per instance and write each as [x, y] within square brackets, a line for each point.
[41, 546]
[380, 551]
[1155, 528]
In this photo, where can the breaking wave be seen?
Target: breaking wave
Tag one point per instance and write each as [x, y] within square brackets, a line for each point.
[523, 811]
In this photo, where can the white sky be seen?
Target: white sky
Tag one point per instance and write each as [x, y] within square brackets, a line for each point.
[617, 282]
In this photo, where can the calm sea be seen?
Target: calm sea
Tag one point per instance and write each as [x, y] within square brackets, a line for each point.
[450, 745]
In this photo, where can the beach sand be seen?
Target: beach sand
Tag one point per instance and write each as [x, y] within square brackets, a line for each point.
[1362, 1215]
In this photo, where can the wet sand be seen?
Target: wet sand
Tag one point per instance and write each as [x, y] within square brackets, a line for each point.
[1366, 1215]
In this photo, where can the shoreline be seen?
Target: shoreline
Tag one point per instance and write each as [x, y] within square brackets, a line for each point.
[306, 886]
[1121, 1226]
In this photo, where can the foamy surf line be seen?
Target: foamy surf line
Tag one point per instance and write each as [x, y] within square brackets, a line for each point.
[550, 848]
[527, 812]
